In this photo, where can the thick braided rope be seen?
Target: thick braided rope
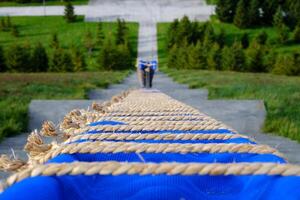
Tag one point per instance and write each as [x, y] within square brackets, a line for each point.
[118, 168]
[124, 136]
[132, 147]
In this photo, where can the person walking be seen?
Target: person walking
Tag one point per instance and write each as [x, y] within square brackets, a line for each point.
[145, 71]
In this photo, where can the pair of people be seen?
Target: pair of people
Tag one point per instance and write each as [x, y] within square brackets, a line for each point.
[146, 70]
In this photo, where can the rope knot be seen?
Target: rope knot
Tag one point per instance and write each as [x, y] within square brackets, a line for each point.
[9, 164]
[49, 129]
[35, 144]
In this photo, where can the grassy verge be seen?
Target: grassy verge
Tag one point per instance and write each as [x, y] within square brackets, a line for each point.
[47, 3]
[281, 94]
[40, 29]
[16, 91]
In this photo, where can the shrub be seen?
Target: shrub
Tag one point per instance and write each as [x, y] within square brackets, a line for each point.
[283, 34]
[107, 59]
[69, 14]
[282, 64]
[172, 57]
[39, 59]
[227, 58]
[18, 58]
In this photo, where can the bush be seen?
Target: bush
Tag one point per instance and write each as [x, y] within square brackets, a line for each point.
[69, 14]
[172, 57]
[39, 59]
[196, 57]
[121, 34]
[18, 58]
[283, 34]
[228, 62]
[239, 58]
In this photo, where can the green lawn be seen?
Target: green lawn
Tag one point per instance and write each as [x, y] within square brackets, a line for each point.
[48, 3]
[40, 29]
[16, 91]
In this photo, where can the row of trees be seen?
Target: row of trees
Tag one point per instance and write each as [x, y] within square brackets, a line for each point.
[197, 46]
[26, 58]
[249, 13]
[113, 53]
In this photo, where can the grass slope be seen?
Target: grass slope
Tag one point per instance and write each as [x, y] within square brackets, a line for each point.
[16, 91]
[281, 94]
[40, 29]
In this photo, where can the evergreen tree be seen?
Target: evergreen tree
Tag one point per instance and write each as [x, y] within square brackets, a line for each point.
[255, 56]
[221, 38]
[283, 64]
[227, 59]
[209, 36]
[125, 61]
[18, 58]
[239, 58]
[296, 34]
[3, 67]
[54, 43]
[225, 10]
[121, 34]
[172, 34]
[262, 38]
[196, 59]
[89, 41]
[15, 31]
[283, 34]
[3, 26]
[8, 22]
[182, 57]
[100, 35]
[39, 59]
[245, 40]
[57, 60]
[69, 14]
[184, 31]
[172, 57]
[67, 62]
[61, 61]
[241, 18]
[78, 60]
[214, 59]
[278, 19]
[295, 68]
[254, 13]
[107, 58]
[268, 9]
